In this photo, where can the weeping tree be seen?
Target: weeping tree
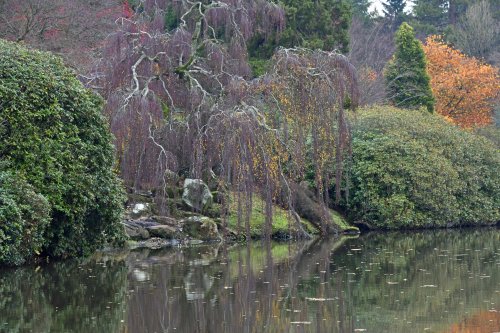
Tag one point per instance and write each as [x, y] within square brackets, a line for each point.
[312, 90]
[162, 80]
[180, 100]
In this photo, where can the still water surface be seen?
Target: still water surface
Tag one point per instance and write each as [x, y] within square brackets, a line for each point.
[434, 281]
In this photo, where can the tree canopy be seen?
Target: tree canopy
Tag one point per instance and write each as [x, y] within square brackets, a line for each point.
[317, 24]
[464, 87]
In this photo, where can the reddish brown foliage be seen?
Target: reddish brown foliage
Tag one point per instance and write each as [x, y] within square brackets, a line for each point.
[481, 322]
[465, 89]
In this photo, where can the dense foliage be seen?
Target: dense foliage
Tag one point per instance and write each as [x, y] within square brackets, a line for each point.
[430, 15]
[24, 215]
[250, 96]
[317, 24]
[53, 134]
[464, 87]
[406, 75]
[394, 12]
[415, 170]
[322, 25]
[182, 102]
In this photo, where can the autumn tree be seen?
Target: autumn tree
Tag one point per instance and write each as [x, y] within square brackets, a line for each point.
[312, 89]
[464, 87]
[406, 75]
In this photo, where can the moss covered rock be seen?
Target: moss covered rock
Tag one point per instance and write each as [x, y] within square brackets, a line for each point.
[201, 227]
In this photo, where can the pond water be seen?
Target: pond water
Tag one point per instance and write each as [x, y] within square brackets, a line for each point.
[433, 281]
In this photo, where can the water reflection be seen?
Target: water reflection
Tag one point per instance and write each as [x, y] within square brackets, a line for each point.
[446, 281]
[64, 297]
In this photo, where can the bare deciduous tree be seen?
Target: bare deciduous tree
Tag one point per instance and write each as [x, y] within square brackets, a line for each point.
[478, 33]
[71, 28]
[371, 47]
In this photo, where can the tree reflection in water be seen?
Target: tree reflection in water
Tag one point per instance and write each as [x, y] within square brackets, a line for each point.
[444, 281]
[68, 296]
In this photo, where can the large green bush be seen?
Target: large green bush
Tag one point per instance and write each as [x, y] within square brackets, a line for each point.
[415, 170]
[53, 134]
[24, 216]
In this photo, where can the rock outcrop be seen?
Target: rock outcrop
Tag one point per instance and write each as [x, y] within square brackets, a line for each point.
[201, 227]
[196, 195]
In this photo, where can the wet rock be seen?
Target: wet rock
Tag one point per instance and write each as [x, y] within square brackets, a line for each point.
[196, 195]
[165, 220]
[140, 275]
[164, 231]
[201, 227]
[139, 210]
[144, 229]
[135, 230]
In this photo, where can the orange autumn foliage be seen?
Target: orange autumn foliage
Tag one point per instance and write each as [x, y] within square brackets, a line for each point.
[465, 88]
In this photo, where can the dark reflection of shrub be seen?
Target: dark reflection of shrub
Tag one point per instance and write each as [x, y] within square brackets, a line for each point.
[422, 276]
[63, 297]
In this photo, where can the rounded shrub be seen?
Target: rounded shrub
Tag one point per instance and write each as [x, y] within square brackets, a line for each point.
[415, 170]
[53, 134]
[24, 216]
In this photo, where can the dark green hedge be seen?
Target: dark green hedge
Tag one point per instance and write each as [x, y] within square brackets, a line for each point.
[415, 170]
[24, 215]
[53, 135]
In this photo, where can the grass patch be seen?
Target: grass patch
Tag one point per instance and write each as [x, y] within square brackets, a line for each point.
[282, 220]
[341, 223]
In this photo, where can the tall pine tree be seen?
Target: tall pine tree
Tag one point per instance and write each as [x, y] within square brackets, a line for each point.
[360, 9]
[394, 12]
[407, 81]
[431, 16]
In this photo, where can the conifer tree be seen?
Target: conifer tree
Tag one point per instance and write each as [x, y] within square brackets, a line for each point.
[407, 81]
[317, 25]
[394, 12]
[360, 8]
[431, 16]
[312, 24]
